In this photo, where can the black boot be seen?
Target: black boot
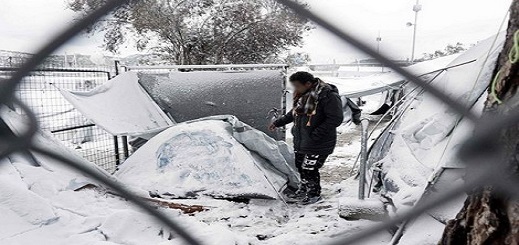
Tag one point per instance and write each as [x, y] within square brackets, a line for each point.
[309, 199]
[298, 195]
[313, 186]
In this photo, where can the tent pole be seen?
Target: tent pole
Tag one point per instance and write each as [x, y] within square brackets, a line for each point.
[363, 158]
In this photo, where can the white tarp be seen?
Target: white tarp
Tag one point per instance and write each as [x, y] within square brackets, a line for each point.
[419, 158]
[120, 106]
[216, 156]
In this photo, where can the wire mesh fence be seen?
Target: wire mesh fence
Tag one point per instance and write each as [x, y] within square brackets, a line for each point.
[40, 91]
[189, 68]
[481, 175]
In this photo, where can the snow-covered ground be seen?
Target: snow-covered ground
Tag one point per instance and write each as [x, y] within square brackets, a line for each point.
[41, 206]
[40, 203]
[272, 222]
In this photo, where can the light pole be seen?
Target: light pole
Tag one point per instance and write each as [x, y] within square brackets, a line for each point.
[416, 8]
[379, 39]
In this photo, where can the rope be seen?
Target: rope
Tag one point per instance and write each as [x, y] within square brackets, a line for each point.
[493, 88]
[513, 57]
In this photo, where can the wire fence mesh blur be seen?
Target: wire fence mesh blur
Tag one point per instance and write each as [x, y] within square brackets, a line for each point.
[14, 86]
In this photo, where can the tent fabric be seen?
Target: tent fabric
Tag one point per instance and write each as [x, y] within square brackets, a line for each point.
[121, 107]
[278, 154]
[216, 156]
[417, 156]
[248, 95]
[426, 135]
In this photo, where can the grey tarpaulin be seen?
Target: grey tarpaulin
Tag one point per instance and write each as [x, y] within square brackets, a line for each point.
[249, 95]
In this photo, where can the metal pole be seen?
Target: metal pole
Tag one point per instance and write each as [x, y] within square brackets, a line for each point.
[416, 8]
[123, 138]
[363, 158]
[379, 39]
[116, 150]
[284, 102]
[116, 141]
[116, 63]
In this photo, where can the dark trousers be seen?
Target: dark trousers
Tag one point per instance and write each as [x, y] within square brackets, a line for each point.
[308, 166]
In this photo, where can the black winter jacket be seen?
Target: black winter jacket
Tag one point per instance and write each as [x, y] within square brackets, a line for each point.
[321, 136]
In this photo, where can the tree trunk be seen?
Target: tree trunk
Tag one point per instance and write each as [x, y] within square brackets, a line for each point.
[486, 217]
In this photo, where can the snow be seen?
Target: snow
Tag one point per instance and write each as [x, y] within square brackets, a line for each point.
[44, 202]
[424, 141]
[353, 208]
[91, 216]
[120, 106]
[51, 209]
[424, 231]
[40, 92]
[377, 83]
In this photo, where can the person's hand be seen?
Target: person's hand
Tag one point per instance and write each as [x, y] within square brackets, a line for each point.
[272, 127]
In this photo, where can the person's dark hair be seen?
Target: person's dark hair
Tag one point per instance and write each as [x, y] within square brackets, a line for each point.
[302, 77]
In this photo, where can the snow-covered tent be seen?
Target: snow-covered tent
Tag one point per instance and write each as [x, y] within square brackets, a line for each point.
[215, 156]
[416, 153]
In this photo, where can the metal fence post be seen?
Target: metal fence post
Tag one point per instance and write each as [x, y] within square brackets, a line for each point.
[116, 140]
[123, 138]
[284, 102]
[116, 64]
[363, 158]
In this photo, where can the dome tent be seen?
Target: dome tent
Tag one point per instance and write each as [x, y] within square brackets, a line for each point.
[215, 156]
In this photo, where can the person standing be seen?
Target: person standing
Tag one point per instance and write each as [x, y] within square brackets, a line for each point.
[316, 114]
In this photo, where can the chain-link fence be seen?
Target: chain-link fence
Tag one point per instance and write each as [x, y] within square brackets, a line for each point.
[476, 150]
[40, 91]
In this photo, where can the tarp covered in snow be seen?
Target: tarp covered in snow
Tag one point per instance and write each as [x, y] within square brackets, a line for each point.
[215, 156]
[249, 95]
[121, 107]
[40, 204]
[423, 140]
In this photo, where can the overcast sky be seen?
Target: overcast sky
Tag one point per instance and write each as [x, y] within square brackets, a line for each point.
[25, 24]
